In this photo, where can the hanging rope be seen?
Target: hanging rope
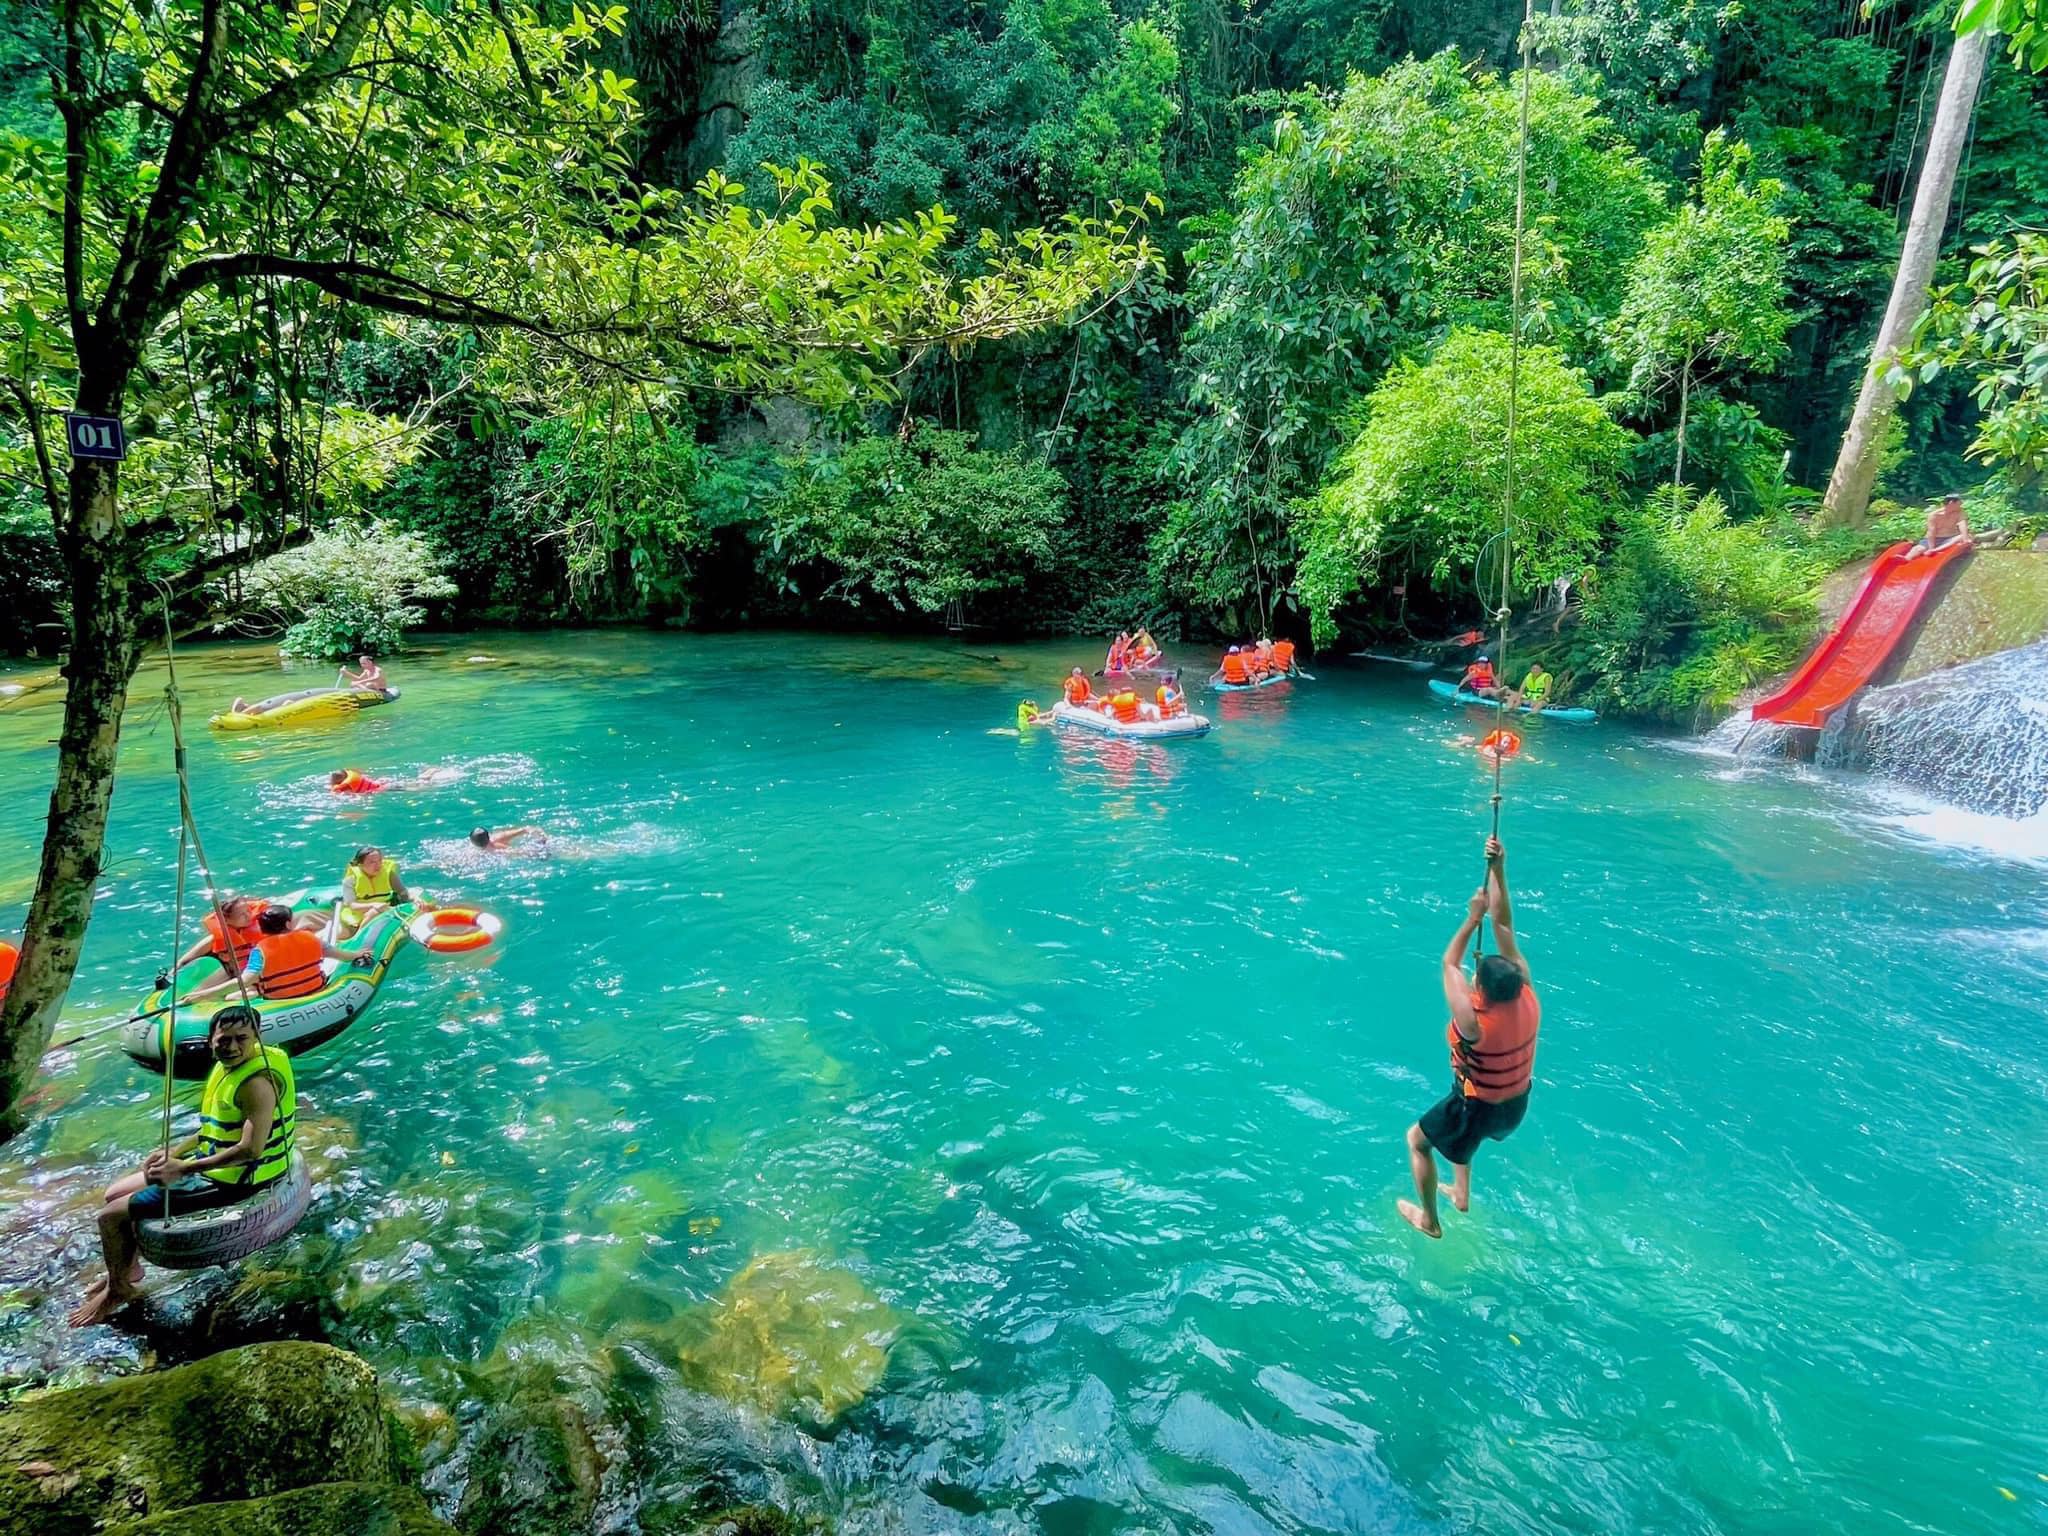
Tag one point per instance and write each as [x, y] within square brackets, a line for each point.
[170, 1024]
[1501, 613]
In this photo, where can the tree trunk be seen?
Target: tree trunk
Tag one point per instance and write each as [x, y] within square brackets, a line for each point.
[1684, 404]
[105, 648]
[1849, 487]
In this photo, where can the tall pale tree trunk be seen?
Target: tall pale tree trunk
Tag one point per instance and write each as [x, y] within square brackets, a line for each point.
[1849, 487]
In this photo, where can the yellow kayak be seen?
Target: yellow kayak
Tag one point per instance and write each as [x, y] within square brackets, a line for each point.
[313, 704]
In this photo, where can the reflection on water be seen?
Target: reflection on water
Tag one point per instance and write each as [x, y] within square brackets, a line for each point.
[957, 1130]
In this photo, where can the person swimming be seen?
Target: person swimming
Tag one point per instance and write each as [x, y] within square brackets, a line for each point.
[510, 838]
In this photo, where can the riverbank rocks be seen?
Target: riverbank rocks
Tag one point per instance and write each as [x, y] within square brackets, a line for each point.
[245, 1424]
[330, 1509]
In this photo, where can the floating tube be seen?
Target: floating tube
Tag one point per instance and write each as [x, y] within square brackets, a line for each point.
[228, 1232]
[1444, 690]
[1217, 685]
[293, 1024]
[454, 930]
[1064, 713]
[302, 708]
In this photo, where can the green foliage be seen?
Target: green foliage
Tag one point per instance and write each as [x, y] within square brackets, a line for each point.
[2024, 23]
[616, 493]
[1993, 328]
[31, 575]
[1708, 288]
[1691, 610]
[1369, 229]
[1424, 480]
[918, 525]
[344, 592]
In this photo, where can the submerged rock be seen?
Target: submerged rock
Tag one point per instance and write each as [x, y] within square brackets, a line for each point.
[331, 1509]
[790, 1333]
[536, 1469]
[240, 1425]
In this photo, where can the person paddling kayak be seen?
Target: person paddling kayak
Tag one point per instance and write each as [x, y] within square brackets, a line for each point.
[1494, 1020]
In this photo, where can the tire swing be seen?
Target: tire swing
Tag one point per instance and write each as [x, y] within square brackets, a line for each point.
[224, 1234]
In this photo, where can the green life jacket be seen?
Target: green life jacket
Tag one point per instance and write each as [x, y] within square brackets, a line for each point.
[361, 885]
[220, 1118]
[1536, 686]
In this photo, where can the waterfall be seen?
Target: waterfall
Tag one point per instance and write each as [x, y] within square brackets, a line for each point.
[1975, 735]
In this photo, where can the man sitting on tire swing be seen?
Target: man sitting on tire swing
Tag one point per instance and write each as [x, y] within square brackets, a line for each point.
[246, 1119]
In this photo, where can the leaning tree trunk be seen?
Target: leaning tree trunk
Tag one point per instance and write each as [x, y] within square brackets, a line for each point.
[1678, 467]
[105, 647]
[1855, 473]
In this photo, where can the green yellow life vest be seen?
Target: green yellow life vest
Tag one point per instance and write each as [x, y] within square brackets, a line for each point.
[1536, 686]
[220, 1119]
[363, 886]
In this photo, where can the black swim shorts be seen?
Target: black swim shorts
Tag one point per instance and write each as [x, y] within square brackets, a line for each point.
[1456, 1126]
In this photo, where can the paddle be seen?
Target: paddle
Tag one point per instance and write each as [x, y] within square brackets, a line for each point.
[101, 1029]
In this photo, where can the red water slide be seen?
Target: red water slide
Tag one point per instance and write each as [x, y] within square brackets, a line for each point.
[1869, 632]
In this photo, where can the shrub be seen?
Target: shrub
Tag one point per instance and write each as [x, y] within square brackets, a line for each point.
[344, 592]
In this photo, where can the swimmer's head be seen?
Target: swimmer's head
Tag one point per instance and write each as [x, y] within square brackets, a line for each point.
[481, 837]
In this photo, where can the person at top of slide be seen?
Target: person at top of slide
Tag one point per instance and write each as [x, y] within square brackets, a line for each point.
[504, 840]
[371, 676]
[1479, 678]
[1945, 524]
[1495, 1017]
[352, 781]
[1076, 688]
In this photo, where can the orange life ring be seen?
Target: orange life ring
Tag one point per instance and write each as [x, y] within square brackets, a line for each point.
[454, 930]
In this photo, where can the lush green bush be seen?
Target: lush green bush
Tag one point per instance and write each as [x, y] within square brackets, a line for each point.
[31, 575]
[1691, 610]
[917, 526]
[616, 495]
[1424, 479]
[344, 592]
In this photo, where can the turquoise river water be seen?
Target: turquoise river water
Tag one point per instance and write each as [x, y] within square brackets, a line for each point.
[943, 1128]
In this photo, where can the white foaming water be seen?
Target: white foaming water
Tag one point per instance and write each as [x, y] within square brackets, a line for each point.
[2024, 840]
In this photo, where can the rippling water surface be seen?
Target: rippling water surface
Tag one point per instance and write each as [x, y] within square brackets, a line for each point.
[948, 1129]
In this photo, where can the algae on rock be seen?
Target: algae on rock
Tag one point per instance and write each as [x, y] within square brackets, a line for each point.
[239, 1425]
[328, 1509]
[790, 1332]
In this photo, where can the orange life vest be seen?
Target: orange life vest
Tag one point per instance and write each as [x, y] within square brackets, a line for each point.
[1501, 1063]
[236, 944]
[1283, 655]
[291, 964]
[355, 783]
[1506, 743]
[1125, 705]
[1077, 690]
[1233, 668]
[1170, 702]
[10, 957]
[1479, 674]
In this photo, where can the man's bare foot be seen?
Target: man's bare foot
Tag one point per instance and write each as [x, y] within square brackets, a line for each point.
[135, 1269]
[1461, 1198]
[101, 1303]
[1412, 1214]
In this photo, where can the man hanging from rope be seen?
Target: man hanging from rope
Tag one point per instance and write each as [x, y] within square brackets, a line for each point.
[1494, 1020]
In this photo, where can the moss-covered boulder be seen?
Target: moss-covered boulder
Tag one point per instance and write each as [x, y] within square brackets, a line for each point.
[330, 1509]
[240, 1425]
[536, 1469]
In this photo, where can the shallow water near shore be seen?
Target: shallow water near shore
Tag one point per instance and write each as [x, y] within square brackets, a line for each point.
[951, 1128]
